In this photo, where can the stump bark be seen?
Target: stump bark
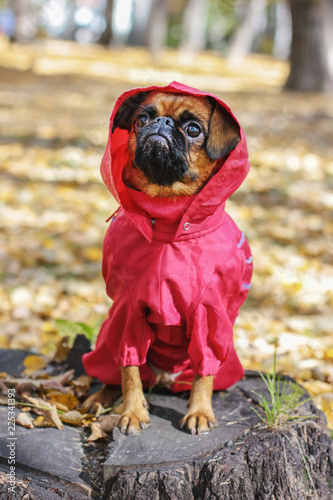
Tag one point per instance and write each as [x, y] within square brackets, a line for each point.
[293, 462]
[239, 460]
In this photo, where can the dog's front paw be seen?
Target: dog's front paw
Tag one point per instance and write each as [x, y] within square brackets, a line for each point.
[198, 422]
[132, 422]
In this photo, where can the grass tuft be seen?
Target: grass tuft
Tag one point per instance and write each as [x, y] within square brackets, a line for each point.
[284, 401]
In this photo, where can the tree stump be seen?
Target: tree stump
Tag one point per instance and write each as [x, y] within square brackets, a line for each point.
[239, 460]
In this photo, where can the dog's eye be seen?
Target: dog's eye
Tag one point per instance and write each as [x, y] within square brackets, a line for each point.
[193, 130]
[142, 120]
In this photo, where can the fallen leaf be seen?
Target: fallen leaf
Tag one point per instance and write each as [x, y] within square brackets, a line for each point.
[62, 351]
[59, 380]
[72, 417]
[67, 400]
[33, 363]
[96, 432]
[3, 388]
[60, 407]
[49, 419]
[24, 420]
[329, 354]
[63, 379]
[26, 388]
[108, 422]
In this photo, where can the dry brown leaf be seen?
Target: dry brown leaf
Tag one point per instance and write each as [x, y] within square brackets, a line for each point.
[55, 417]
[38, 405]
[84, 380]
[108, 422]
[66, 377]
[38, 402]
[26, 388]
[60, 407]
[62, 350]
[53, 385]
[81, 385]
[3, 388]
[72, 417]
[96, 432]
[59, 380]
[24, 420]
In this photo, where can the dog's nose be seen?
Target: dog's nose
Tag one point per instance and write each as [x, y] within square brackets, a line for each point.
[164, 121]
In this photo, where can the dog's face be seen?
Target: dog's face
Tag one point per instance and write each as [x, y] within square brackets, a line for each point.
[174, 141]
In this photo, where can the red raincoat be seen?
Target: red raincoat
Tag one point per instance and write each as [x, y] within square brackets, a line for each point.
[177, 270]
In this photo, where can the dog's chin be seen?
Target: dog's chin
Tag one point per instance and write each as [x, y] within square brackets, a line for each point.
[134, 178]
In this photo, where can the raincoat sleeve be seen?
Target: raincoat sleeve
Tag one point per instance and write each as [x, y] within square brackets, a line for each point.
[210, 327]
[128, 333]
[211, 334]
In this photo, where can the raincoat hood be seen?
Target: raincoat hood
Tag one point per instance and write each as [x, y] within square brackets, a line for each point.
[204, 210]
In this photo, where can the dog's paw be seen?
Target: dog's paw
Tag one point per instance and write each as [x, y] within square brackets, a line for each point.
[132, 422]
[105, 398]
[198, 422]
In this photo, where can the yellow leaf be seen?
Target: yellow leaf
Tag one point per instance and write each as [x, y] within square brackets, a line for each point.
[50, 419]
[33, 363]
[327, 407]
[93, 253]
[67, 400]
[329, 354]
[4, 342]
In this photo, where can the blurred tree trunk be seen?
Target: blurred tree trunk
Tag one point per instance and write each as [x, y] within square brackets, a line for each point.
[283, 32]
[26, 25]
[141, 13]
[106, 36]
[309, 53]
[194, 25]
[157, 28]
[250, 27]
[70, 29]
[329, 35]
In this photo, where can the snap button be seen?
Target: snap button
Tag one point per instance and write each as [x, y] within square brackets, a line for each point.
[187, 226]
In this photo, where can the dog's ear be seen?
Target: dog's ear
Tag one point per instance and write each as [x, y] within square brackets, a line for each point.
[224, 133]
[124, 116]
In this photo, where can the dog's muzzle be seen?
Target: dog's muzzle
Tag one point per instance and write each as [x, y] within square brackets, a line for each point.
[161, 153]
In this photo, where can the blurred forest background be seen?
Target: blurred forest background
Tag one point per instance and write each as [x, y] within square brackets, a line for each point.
[62, 65]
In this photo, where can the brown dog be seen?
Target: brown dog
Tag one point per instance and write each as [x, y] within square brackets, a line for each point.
[174, 143]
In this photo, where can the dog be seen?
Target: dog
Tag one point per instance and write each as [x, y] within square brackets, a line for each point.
[174, 145]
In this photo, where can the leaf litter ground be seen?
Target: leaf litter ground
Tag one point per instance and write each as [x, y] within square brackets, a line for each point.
[56, 99]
